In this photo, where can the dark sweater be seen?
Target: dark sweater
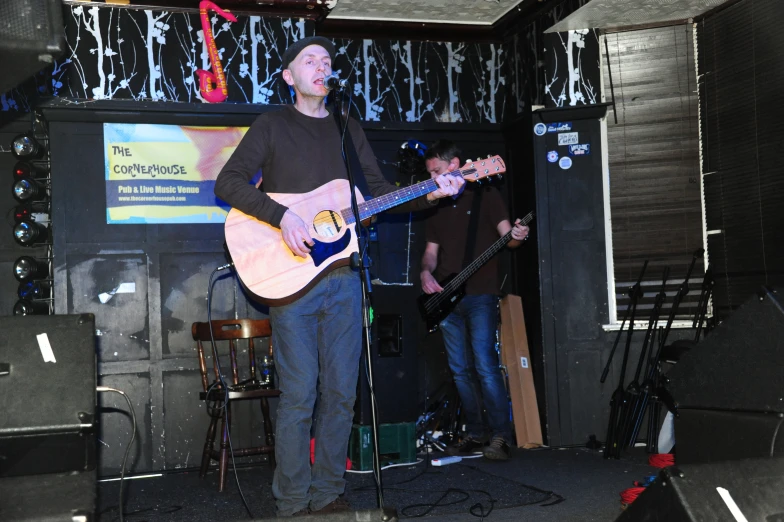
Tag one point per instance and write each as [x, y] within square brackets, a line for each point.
[296, 154]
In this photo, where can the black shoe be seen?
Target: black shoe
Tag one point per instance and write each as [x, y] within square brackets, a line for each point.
[498, 449]
[466, 447]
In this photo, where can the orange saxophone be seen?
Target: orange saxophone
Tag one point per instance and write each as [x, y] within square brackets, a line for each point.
[220, 91]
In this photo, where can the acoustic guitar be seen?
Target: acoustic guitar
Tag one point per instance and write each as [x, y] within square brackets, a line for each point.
[270, 271]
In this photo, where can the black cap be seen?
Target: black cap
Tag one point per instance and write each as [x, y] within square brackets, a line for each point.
[297, 47]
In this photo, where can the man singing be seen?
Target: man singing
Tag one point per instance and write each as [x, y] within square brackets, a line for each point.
[317, 338]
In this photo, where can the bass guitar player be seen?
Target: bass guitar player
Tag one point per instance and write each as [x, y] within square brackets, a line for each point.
[460, 229]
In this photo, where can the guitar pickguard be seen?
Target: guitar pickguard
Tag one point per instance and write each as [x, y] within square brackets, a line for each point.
[320, 252]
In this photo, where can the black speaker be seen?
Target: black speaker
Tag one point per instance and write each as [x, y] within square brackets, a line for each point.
[698, 493]
[728, 388]
[365, 515]
[739, 365]
[395, 335]
[54, 497]
[715, 435]
[31, 38]
[47, 394]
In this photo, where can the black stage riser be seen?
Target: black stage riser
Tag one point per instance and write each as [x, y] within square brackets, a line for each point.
[48, 421]
[688, 493]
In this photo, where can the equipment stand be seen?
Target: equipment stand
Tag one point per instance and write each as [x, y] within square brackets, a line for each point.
[361, 261]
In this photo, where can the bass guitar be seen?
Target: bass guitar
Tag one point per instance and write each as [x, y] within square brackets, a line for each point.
[435, 307]
[273, 275]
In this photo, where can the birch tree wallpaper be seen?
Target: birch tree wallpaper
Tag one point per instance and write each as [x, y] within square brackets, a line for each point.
[118, 53]
[423, 81]
[153, 55]
[147, 55]
[572, 68]
[556, 69]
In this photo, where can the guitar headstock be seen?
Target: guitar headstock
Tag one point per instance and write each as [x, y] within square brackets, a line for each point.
[483, 168]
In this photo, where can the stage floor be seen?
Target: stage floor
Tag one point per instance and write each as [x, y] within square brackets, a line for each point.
[543, 485]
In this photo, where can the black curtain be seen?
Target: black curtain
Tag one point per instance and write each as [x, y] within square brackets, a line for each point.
[740, 77]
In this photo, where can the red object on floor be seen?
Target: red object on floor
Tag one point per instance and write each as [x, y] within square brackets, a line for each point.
[661, 460]
[313, 454]
[630, 495]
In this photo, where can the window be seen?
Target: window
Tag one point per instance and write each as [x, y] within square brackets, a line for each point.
[654, 201]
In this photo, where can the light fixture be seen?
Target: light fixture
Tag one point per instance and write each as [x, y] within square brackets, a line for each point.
[24, 169]
[22, 212]
[27, 268]
[29, 232]
[25, 146]
[35, 211]
[34, 290]
[28, 307]
[28, 189]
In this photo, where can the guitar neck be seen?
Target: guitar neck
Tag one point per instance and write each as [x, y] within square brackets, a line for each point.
[371, 207]
[479, 262]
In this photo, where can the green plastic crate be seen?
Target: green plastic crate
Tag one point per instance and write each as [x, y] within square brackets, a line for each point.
[397, 445]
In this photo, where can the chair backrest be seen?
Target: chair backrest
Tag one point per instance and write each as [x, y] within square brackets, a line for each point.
[231, 330]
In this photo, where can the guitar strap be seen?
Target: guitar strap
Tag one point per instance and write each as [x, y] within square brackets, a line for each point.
[473, 225]
[352, 157]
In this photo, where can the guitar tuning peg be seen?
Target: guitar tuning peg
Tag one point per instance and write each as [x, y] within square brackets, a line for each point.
[500, 176]
[488, 156]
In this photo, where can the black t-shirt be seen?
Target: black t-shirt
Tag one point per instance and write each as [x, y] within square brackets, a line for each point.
[448, 228]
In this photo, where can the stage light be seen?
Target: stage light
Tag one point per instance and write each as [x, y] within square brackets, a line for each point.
[35, 211]
[27, 268]
[28, 189]
[26, 146]
[22, 212]
[27, 307]
[23, 169]
[33, 290]
[29, 233]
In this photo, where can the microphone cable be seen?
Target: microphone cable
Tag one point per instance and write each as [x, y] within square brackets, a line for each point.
[222, 383]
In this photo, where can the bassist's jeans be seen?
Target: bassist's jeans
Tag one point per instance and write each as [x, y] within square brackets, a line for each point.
[469, 339]
[317, 341]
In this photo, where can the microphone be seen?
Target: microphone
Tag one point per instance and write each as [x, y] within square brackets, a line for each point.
[333, 81]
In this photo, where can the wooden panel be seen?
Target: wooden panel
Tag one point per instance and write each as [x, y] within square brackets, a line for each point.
[517, 360]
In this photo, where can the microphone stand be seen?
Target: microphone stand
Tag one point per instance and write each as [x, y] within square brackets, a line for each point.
[361, 261]
[620, 399]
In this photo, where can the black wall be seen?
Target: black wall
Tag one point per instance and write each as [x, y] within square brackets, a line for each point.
[143, 339]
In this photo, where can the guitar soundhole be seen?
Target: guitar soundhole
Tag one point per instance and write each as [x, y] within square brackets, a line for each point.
[328, 223]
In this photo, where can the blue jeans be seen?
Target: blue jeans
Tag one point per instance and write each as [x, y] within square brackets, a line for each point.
[469, 337]
[317, 341]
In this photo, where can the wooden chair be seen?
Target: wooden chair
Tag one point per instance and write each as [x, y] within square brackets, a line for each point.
[215, 394]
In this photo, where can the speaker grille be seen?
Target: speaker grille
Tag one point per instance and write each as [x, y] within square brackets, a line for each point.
[25, 20]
